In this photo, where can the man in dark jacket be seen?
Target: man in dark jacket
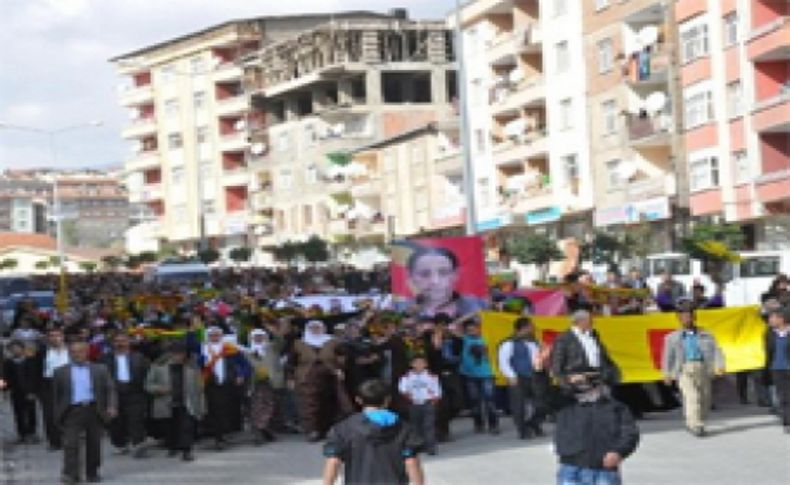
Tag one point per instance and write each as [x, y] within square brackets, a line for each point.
[128, 371]
[22, 379]
[777, 351]
[580, 349]
[593, 435]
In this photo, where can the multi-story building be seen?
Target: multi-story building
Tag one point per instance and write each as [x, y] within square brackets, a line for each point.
[636, 148]
[24, 204]
[332, 89]
[189, 131]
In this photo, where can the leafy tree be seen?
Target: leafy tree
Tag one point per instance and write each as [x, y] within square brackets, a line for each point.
[54, 261]
[537, 249]
[208, 255]
[42, 265]
[603, 249]
[9, 263]
[315, 250]
[715, 246]
[637, 241]
[111, 262]
[132, 261]
[148, 257]
[286, 252]
[89, 266]
[240, 255]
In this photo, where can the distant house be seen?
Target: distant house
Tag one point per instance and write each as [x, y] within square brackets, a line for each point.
[30, 249]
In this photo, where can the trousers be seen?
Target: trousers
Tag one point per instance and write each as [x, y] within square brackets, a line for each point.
[574, 475]
[480, 391]
[422, 418]
[81, 420]
[24, 414]
[781, 380]
[526, 404]
[129, 426]
[695, 387]
[51, 429]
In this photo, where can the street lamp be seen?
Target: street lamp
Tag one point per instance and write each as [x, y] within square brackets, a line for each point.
[58, 215]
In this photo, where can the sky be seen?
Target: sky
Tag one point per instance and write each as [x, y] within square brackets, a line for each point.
[54, 71]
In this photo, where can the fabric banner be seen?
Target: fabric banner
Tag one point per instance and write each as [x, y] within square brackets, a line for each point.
[349, 303]
[545, 302]
[636, 342]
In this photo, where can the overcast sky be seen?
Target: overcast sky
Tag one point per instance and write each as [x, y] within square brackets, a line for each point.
[55, 72]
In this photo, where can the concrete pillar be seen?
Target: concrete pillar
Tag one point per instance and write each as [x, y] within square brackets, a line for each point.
[345, 92]
[373, 87]
[439, 86]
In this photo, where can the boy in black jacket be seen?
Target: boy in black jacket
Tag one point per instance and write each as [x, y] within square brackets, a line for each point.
[20, 374]
[594, 433]
[374, 446]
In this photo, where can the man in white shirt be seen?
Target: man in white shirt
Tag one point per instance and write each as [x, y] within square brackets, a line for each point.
[53, 357]
[422, 390]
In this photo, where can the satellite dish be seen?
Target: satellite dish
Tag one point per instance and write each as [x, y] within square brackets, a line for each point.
[258, 148]
[516, 127]
[516, 76]
[240, 125]
[656, 102]
[648, 35]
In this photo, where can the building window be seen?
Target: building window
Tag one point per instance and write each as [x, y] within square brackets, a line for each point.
[201, 135]
[199, 100]
[206, 170]
[570, 169]
[311, 175]
[566, 114]
[731, 29]
[704, 173]
[174, 141]
[198, 65]
[614, 174]
[177, 175]
[283, 142]
[563, 56]
[180, 214]
[609, 115]
[698, 109]
[310, 136]
[286, 179]
[605, 55]
[560, 7]
[171, 108]
[167, 73]
[484, 189]
[209, 207]
[480, 140]
[694, 41]
[601, 4]
[740, 162]
[735, 106]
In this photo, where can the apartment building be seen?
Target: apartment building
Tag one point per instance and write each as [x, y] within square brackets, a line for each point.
[735, 76]
[190, 121]
[333, 89]
[633, 98]
[24, 204]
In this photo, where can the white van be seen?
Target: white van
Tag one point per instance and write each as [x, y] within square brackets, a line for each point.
[187, 272]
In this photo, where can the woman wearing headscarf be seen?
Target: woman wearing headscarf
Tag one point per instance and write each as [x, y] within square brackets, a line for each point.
[263, 354]
[317, 369]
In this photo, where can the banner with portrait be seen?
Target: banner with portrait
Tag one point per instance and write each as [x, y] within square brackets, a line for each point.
[441, 275]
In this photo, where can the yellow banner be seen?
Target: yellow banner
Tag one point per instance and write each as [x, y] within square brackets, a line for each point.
[635, 343]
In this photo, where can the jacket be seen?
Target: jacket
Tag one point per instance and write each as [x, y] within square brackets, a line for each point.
[307, 356]
[568, 357]
[770, 343]
[157, 383]
[138, 370]
[585, 432]
[674, 356]
[22, 377]
[103, 391]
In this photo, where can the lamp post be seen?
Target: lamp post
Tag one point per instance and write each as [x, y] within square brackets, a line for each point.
[57, 216]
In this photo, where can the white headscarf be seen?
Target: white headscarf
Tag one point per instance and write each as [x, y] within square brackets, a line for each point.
[259, 349]
[316, 339]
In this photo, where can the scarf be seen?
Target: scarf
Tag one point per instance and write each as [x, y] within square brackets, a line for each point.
[316, 340]
[258, 349]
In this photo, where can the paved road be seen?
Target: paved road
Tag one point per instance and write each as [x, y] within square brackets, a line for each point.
[746, 447]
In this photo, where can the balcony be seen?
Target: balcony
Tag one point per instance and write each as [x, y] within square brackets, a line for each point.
[657, 74]
[649, 132]
[508, 99]
[531, 200]
[372, 187]
[503, 48]
[143, 161]
[772, 115]
[234, 142]
[140, 127]
[650, 188]
[770, 42]
[137, 95]
[262, 200]
[367, 228]
[338, 227]
[449, 163]
[517, 151]
[228, 71]
[232, 105]
[151, 192]
[236, 177]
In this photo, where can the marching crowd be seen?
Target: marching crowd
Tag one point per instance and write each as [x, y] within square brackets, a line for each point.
[178, 363]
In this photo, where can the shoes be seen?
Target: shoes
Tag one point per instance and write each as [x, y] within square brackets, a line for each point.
[268, 435]
[314, 437]
[172, 453]
[93, 479]
[220, 445]
[698, 432]
[124, 450]
[54, 447]
[494, 430]
[479, 428]
[537, 431]
[787, 429]
[68, 480]
[187, 456]
[139, 452]
[432, 451]
[33, 439]
[524, 433]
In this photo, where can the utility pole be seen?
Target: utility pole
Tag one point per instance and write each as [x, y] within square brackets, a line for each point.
[466, 152]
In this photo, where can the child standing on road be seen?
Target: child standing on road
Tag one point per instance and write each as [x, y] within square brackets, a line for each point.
[422, 390]
[373, 446]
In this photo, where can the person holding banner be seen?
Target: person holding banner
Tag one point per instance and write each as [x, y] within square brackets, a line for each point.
[479, 378]
[692, 357]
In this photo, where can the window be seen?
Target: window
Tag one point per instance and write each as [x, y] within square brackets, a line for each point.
[283, 142]
[311, 175]
[735, 99]
[740, 162]
[698, 109]
[199, 100]
[609, 115]
[614, 174]
[562, 56]
[560, 7]
[601, 4]
[570, 169]
[605, 55]
[177, 175]
[731, 29]
[174, 141]
[310, 135]
[206, 170]
[480, 140]
[198, 65]
[760, 266]
[566, 114]
[286, 179]
[171, 108]
[201, 134]
[180, 214]
[484, 190]
[694, 41]
[167, 73]
[704, 173]
[209, 207]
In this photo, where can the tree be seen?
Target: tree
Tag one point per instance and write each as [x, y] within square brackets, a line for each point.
[54, 261]
[537, 249]
[111, 262]
[88, 266]
[42, 265]
[315, 250]
[132, 261]
[208, 255]
[240, 255]
[148, 257]
[715, 246]
[9, 263]
[286, 252]
[603, 249]
[637, 241]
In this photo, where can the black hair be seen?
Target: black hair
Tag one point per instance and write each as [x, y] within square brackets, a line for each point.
[442, 319]
[421, 251]
[782, 312]
[521, 323]
[374, 393]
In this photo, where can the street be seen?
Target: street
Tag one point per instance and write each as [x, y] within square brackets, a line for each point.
[745, 446]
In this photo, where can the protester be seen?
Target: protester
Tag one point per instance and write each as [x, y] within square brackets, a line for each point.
[20, 375]
[84, 402]
[777, 351]
[423, 392]
[593, 433]
[55, 356]
[373, 446]
[263, 355]
[580, 350]
[479, 379]
[692, 357]
[128, 369]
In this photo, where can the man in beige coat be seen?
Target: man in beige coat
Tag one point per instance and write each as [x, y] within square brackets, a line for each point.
[692, 358]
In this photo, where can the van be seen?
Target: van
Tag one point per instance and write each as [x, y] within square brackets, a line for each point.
[185, 272]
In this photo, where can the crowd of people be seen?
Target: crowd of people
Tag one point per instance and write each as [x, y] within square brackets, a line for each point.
[182, 362]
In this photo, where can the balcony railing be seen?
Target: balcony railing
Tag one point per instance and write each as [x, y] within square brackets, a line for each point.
[648, 66]
[642, 128]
